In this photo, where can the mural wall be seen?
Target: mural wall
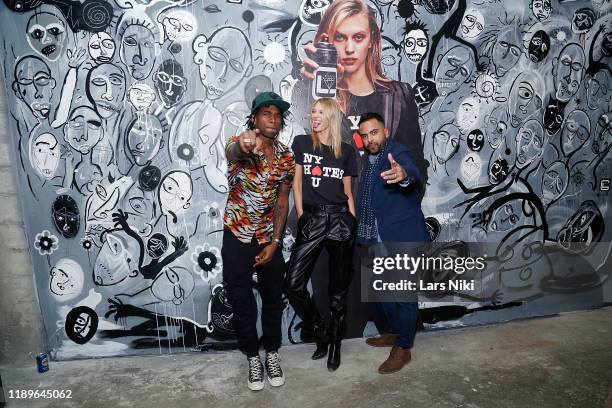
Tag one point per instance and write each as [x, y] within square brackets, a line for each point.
[119, 112]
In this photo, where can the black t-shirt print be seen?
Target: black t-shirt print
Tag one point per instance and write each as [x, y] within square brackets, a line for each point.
[322, 173]
[358, 105]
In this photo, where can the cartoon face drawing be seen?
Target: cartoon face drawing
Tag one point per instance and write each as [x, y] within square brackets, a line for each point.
[541, 9]
[553, 116]
[598, 88]
[149, 178]
[170, 82]
[539, 46]
[568, 70]
[175, 192]
[506, 51]
[446, 142]
[523, 100]
[83, 130]
[496, 126]
[529, 143]
[141, 96]
[157, 245]
[45, 155]
[416, 44]
[584, 228]
[475, 140]
[499, 171]
[468, 113]
[66, 218]
[138, 50]
[455, 68]
[603, 133]
[46, 34]
[113, 263]
[583, 20]
[224, 59]
[173, 285]
[101, 47]
[144, 139]
[106, 89]
[506, 216]
[34, 85]
[179, 25]
[554, 181]
[67, 279]
[472, 24]
[576, 131]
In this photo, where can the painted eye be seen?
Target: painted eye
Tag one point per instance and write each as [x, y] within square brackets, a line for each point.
[37, 34]
[216, 55]
[98, 82]
[236, 65]
[130, 41]
[43, 80]
[55, 31]
[94, 46]
[116, 81]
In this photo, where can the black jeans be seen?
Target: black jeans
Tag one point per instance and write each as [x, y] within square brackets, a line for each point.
[332, 227]
[238, 260]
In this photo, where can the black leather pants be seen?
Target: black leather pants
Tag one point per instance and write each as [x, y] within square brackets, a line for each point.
[332, 227]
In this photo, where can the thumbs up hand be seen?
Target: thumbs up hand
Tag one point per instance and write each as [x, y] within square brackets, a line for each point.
[396, 173]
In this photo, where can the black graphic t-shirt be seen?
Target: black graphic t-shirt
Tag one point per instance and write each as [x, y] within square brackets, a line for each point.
[357, 105]
[322, 172]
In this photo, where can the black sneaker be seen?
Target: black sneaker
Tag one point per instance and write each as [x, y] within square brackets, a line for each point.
[256, 381]
[273, 369]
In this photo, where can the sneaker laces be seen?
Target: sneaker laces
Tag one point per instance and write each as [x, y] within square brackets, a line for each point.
[255, 369]
[273, 364]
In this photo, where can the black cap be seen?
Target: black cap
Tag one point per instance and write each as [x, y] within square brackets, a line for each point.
[270, 98]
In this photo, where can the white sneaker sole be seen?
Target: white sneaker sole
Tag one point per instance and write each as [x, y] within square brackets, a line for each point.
[255, 386]
[276, 382]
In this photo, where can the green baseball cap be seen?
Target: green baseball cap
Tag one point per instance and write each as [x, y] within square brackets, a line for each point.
[270, 98]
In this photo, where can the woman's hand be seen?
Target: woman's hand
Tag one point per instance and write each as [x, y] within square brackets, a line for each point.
[310, 65]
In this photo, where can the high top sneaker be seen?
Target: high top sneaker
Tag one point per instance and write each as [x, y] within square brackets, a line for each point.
[273, 369]
[256, 381]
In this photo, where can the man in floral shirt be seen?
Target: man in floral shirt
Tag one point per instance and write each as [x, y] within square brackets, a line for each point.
[260, 171]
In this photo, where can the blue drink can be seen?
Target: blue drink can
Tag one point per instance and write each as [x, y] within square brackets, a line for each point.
[42, 361]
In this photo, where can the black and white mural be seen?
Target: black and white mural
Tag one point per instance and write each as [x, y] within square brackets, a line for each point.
[120, 110]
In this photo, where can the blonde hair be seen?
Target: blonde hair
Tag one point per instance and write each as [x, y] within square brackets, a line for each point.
[332, 112]
[335, 14]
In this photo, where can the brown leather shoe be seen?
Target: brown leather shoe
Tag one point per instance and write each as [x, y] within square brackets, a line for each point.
[384, 340]
[398, 358]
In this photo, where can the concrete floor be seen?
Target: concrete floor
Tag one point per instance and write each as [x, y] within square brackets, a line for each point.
[563, 361]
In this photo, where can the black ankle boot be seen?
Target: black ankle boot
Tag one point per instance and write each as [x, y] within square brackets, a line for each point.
[337, 332]
[322, 341]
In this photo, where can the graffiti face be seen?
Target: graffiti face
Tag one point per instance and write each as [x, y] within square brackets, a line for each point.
[506, 216]
[175, 192]
[468, 113]
[597, 89]
[179, 26]
[576, 131]
[47, 35]
[34, 85]
[568, 71]
[496, 126]
[45, 155]
[173, 285]
[554, 181]
[475, 140]
[101, 47]
[606, 45]
[529, 143]
[224, 60]
[415, 45]
[603, 133]
[138, 50]
[83, 130]
[455, 68]
[113, 262]
[541, 9]
[170, 82]
[106, 89]
[446, 142]
[81, 324]
[65, 215]
[472, 24]
[523, 100]
[144, 138]
[499, 171]
[539, 45]
[553, 116]
[66, 279]
[584, 228]
[149, 177]
[141, 96]
[157, 245]
[506, 51]
[583, 20]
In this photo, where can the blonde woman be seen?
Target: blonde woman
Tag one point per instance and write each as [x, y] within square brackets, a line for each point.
[351, 26]
[322, 190]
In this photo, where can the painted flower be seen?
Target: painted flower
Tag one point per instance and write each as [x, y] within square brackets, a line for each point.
[206, 261]
[86, 243]
[46, 243]
[212, 210]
